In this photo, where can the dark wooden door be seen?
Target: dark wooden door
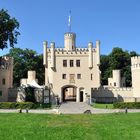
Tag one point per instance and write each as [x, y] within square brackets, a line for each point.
[81, 96]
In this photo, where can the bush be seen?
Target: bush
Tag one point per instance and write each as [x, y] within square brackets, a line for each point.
[129, 105]
[7, 105]
[30, 95]
[38, 105]
[22, 105]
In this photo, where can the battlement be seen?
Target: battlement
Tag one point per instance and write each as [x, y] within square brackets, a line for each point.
[111, 92]
[113, 89]
[76, 51]
[6, 63]
[69, 34]
[135, 62]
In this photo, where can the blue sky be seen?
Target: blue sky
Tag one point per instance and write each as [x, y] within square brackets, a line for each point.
[116, 23]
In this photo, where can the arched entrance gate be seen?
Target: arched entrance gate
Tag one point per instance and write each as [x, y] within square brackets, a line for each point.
[69, 93]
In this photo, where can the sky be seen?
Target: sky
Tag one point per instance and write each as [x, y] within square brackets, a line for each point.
[116, 23]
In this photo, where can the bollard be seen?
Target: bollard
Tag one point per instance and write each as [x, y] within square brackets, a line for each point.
[126, 111]
[27, 110]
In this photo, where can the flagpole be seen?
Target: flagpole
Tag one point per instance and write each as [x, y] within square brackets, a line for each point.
[69, 21]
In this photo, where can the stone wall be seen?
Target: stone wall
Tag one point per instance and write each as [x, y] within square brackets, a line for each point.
[106, 94]
[12, 94]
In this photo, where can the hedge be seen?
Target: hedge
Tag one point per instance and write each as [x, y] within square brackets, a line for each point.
[129, 105]
[22, 105]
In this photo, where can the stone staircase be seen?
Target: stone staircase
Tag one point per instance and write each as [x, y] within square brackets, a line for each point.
[74, 108]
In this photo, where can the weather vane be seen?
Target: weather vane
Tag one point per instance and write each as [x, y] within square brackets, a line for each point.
[69, 21]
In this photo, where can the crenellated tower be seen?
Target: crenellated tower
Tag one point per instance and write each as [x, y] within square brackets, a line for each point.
[6, 76]
[6, 72]
[135, 70]
[71, 69]
[70, 41]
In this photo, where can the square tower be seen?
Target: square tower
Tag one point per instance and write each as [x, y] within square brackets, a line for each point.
[6, 77]
[70, 72]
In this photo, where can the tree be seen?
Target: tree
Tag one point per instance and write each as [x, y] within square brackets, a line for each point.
[105, 71]
[8, 30]
[25, 60]
[117, 59]
[133, 53]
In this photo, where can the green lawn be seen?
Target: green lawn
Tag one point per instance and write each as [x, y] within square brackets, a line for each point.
[69, 127]
[97, 105]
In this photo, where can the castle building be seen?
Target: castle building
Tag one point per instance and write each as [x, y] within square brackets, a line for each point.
[71, 72]
[6, 77]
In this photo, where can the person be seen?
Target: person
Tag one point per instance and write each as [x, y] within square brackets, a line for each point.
[126, 110]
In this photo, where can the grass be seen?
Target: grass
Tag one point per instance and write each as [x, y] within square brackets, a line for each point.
[69, 127]
[98, 105]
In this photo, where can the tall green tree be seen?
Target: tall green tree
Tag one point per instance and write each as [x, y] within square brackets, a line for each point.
[8, 29]
[117, 59]
[105, 69]
[120, 59]
[25, 60]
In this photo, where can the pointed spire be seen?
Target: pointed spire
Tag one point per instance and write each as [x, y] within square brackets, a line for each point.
[69, 21]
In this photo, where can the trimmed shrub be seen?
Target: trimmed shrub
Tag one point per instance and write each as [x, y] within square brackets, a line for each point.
[22, 105]
[7, 105]
[129, 105]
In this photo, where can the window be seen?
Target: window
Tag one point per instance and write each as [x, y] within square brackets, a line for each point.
[114, 84]
[0, 93]
[64, 63]
[78, 63]
[72, 78]
[63, 76]
[3, 81]
[78, 76]
[91, 77]
[71, 63]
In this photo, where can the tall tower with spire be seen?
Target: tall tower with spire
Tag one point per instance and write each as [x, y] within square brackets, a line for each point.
[69, 37]
[70, 72]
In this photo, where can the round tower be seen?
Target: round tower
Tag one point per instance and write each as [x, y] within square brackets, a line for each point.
[31, 76]
[70, 41]
[117, 78]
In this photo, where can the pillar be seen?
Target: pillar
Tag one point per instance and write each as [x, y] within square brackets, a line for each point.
[52, 46]
[45, 53]
[98, 51]
[90, 60]
[77, 95]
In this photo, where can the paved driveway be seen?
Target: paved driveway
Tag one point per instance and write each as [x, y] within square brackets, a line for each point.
[80, 108]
